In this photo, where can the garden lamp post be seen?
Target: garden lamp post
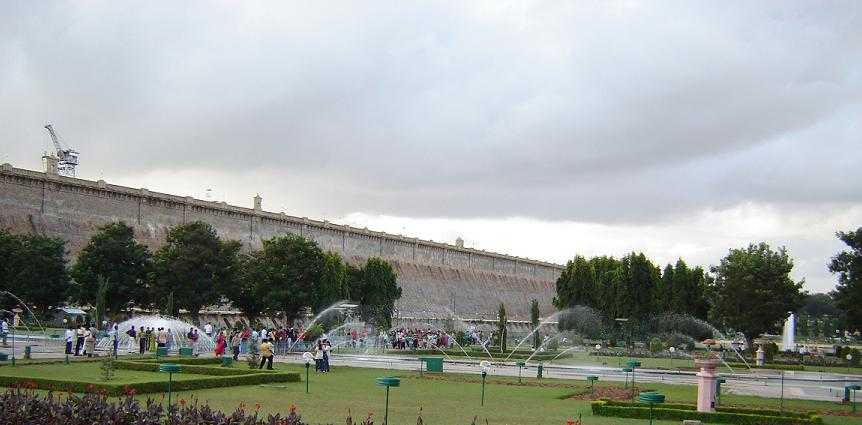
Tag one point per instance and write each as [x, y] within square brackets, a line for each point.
[626, 370]
[852, 401]
[849, 357]
[308, 357]
[388, 381]
[651, 398]
[170, 369]
[633, 364]
[592, 380]
[520, 366]
[485, 365]
[671, 350]
[66, 327]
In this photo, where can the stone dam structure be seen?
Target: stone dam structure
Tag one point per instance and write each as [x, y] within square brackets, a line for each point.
[437, 279]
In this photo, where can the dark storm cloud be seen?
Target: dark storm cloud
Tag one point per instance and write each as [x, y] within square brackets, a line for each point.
[607, 112]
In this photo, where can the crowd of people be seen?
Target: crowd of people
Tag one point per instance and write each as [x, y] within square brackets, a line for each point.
[429, 338]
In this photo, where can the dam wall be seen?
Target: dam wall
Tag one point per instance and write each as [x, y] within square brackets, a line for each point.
[431, 274]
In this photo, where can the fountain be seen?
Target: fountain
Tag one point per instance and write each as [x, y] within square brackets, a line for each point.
[788, 336]
[177, 334]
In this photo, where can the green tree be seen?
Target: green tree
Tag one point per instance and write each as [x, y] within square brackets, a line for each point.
[10, 250]
[101, 301]
[34, 269]
[665, 291]
[639, 280]
[114, 255]
[689, 291]
[534, 322]
[39, 272]
[753, 290]
[333, 282]
[502, 332]
[195, 266]
[376, 289]
[848, 266]
[249, 291]
[290, 271]
[576, 284]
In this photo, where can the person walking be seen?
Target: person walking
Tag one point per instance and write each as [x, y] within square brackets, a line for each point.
[220, 344]
[326, 348]
[235, 342]
[114, 334]
[318, 356]
[4, 331]
[142, 341]
[162, 338]
[90, 342]
[70, 335]
[79, 340]
[208, 329]
[266, 354]
[133, 339]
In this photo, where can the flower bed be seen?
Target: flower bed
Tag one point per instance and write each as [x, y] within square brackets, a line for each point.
[677, 412]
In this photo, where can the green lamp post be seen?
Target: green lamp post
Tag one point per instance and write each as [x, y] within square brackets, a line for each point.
[388, 381]
[520, 367]
[718, 383]
[170, 369]
[592, 380]
[651, 398]
[308, 357]
[633, 364]
[627, 370]
[847, 391]
[486, 366]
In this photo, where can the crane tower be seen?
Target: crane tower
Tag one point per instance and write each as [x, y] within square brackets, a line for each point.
[67, 159]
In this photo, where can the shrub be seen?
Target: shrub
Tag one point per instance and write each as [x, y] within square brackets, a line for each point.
[676, 412]
[25, 407]
[218, 378]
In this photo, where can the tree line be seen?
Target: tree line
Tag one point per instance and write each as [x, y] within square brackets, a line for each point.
[749, 291]
[195, 268]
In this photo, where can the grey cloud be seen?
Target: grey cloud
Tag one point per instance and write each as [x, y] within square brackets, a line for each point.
[605, 112]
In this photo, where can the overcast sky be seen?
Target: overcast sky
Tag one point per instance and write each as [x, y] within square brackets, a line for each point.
[540, 129]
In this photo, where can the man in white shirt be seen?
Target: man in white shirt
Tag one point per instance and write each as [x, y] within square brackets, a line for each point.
[70, 336]
[4, 331]
[208, 329]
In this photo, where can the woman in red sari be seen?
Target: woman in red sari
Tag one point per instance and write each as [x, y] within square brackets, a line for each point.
[220, 344]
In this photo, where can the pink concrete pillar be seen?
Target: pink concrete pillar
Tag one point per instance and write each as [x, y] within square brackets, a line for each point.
[706, 384]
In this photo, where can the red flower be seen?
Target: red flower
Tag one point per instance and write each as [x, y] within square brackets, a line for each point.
[257, 406]
[292, 408]
[182, 402]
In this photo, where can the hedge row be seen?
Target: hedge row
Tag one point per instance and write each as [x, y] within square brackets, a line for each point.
[180, 360]
[666, 412]
[148, 387]
[743, 410]
[187, 368]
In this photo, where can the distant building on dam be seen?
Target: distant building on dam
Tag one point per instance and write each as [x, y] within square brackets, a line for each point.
[437, 279]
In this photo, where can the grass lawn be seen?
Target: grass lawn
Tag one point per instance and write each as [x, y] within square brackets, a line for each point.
[452, 399]
[88, 372]
[447, 399]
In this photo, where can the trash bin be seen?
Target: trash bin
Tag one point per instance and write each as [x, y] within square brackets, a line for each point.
[227, 361]
[186, 352]
[4, 357]
[27, 351]
[433, 364]
[161, 352]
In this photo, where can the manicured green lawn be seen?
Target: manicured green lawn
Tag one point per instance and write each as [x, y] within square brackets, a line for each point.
[451, 399]
[447, 399]
[87, 372]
